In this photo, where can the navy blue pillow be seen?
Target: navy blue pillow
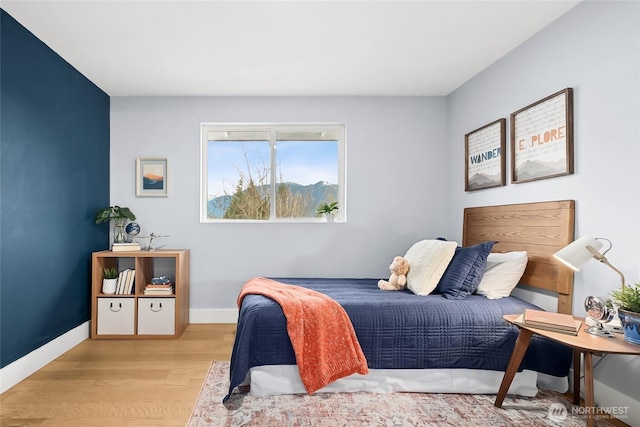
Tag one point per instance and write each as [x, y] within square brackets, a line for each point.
[464, 272]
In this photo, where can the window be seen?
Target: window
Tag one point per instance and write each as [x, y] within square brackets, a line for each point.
[278, 172]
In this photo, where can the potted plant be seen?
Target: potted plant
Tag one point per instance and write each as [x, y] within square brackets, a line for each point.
[327, 209]
[628, 300]
[119, 215]
[109, 280]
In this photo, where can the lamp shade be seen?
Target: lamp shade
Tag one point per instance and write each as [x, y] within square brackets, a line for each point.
[576, 254]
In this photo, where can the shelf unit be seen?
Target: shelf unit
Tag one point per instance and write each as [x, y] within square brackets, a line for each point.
[138, 315]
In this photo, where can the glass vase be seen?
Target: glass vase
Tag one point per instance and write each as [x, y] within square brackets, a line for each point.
[118, 231]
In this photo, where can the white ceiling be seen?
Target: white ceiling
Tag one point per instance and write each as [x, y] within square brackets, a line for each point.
[301, 47]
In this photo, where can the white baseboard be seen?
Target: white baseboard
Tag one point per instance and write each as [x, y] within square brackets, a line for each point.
[213, 315]
[607, 397]
[17, 371]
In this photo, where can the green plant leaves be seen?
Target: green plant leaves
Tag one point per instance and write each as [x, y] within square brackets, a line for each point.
[113, 212]
[326, 208]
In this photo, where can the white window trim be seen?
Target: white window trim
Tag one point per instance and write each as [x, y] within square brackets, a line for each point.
[273, 127]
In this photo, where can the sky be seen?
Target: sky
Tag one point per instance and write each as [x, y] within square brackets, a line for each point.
[302, 162]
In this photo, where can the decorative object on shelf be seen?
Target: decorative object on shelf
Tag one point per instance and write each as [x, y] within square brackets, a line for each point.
[628, 299]
[109, 280]
[484, 151]
[162, 280]
[542, 138]
[600, 309]
[152, 236]
[132, 230]
[119, 215]
[152, 176]
[327, 209]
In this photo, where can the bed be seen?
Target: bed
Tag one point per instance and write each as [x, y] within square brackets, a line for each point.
[426, 343]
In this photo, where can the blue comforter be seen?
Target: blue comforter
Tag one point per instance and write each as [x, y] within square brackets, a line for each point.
[399, 330]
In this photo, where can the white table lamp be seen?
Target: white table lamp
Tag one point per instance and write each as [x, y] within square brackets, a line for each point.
[575, 256]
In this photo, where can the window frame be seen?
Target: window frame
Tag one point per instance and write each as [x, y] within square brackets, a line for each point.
[273, 128]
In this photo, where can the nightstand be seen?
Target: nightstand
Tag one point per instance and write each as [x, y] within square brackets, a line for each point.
[584, 343]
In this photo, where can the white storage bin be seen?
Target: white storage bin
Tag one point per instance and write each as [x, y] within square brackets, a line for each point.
[156, 316]
[115, 316]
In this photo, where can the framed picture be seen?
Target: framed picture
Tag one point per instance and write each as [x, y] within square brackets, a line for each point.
[542, 139]
[151, 176]
[484, 156]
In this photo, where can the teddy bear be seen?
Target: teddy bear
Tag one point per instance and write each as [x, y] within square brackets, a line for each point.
[398, 279]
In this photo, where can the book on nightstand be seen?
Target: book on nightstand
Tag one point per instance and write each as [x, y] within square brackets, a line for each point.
[549, 321]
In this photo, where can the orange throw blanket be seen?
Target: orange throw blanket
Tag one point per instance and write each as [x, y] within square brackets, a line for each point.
[323, 339]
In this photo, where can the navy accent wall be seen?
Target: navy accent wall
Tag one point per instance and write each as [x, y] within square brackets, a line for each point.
[54, 174]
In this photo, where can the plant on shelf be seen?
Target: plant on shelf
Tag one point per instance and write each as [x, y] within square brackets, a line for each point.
[110, 273]
[119, 215]
[109, 280]
[628, 300]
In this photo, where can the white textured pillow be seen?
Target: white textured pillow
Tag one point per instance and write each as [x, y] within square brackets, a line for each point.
[502, 274]
[428, 259]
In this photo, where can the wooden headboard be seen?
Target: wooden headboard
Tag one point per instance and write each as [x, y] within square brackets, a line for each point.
[540, 228]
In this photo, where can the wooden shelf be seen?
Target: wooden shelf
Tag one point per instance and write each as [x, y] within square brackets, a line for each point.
[157, 316]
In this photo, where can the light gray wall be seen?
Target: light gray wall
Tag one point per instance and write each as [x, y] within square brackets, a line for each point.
[595, 49]
[396, 148]
[406, 169]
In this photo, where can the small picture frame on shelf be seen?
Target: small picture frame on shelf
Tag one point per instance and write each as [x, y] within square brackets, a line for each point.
[152, 177]
[484, 156]
[542, 138]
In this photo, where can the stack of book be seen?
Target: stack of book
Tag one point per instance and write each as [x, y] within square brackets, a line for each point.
[123, 247]
[166, 289]
[126, 279]
[549, 321]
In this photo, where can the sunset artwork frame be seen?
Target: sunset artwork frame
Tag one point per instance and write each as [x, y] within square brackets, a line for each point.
[485, 165]
[152, 177]
[542, 138]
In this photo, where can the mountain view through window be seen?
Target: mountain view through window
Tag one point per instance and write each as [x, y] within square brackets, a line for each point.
[272, 173]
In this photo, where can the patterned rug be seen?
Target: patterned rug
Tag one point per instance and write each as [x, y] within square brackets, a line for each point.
[368, 409]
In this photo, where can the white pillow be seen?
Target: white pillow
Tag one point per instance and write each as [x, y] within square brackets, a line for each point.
[502, 274]
[428, 259]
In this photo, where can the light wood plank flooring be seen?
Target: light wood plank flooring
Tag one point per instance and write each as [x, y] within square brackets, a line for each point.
[120, 382]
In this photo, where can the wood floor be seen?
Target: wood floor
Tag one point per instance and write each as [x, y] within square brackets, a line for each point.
[120, 382]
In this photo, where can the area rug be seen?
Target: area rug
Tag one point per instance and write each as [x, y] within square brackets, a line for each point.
[369, 409]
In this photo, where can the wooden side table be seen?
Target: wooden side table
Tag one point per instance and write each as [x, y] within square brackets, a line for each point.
[583, 343]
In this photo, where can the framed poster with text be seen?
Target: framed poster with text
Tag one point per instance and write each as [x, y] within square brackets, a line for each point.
[542, 139]
[484, 156]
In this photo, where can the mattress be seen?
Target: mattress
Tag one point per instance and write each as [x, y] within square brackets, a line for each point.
[399, 330]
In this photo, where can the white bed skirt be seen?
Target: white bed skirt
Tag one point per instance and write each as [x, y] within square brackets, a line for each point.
[273, 380]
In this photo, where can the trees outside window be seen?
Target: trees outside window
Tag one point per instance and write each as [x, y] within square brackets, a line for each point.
[277, 172]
